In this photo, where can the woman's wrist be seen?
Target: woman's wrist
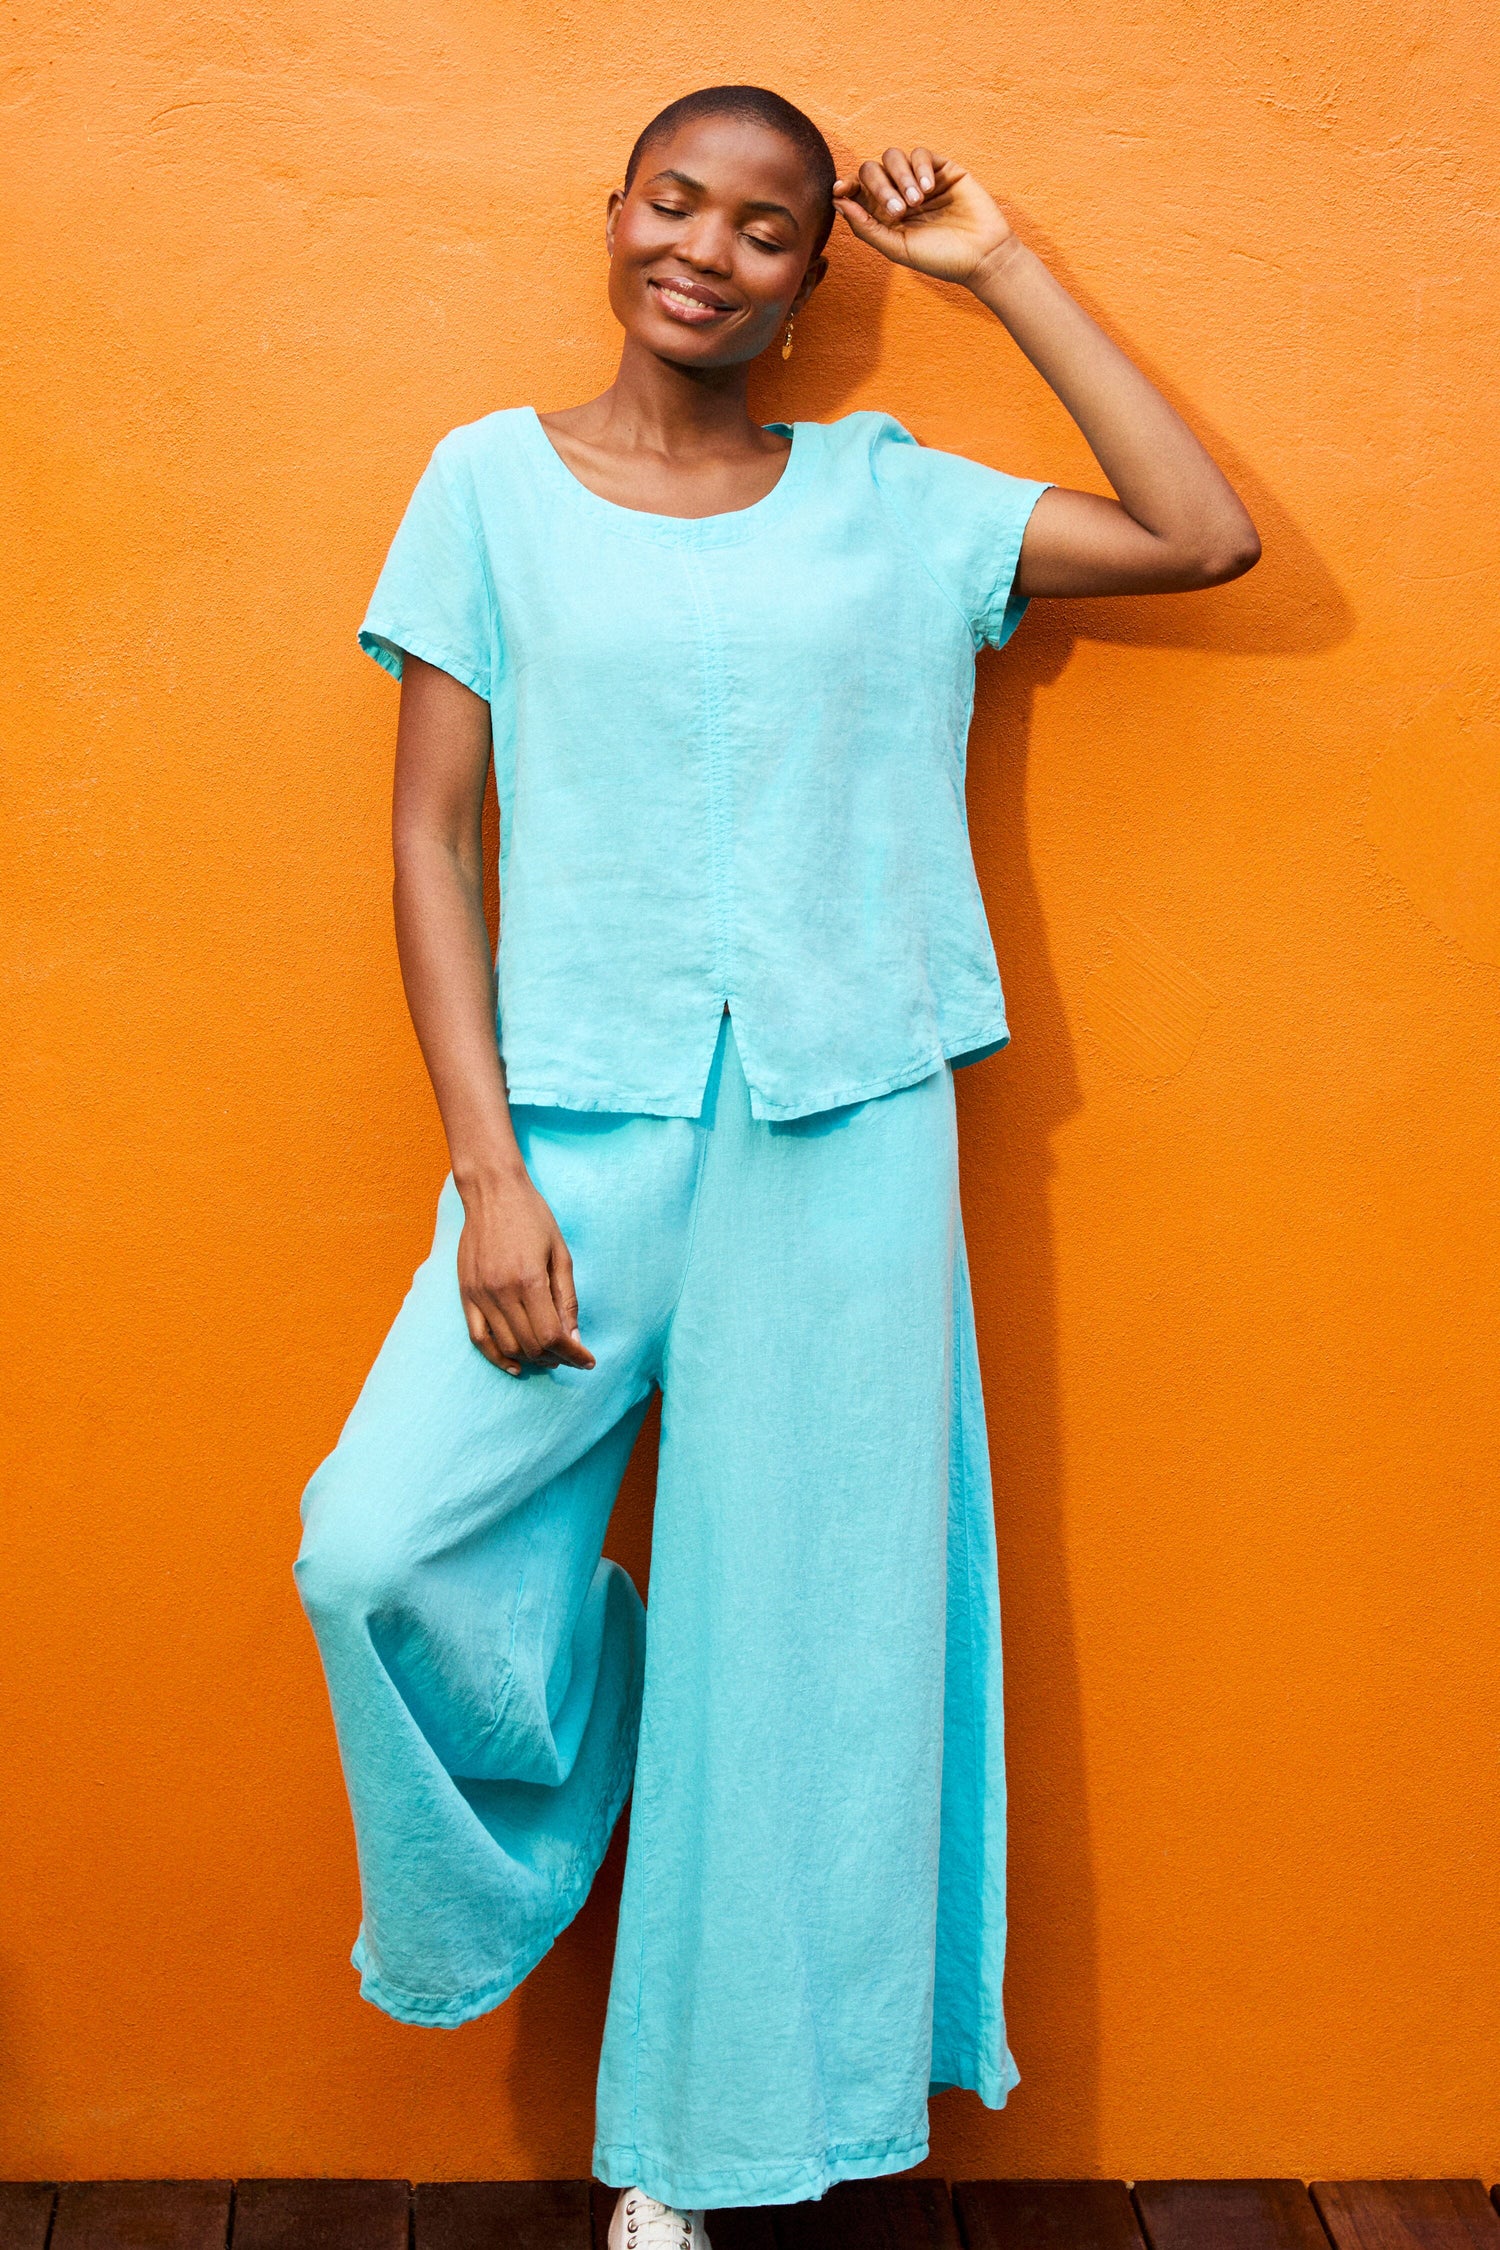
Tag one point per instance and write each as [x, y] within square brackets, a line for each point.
[992, 275]
[480, 1178]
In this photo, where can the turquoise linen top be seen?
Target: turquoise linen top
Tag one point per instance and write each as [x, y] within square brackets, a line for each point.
[729, 753]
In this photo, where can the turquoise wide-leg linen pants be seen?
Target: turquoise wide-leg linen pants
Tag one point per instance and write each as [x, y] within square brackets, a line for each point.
[812, 1928]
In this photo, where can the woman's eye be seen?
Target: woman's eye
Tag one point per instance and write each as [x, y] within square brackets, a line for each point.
[670, 210]
[761, 243]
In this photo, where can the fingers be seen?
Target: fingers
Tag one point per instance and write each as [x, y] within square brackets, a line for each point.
[525, 1327]
[490, 1334]
[901, 175]
[888, 187]
[523, 1306]
[531, 1322]
[882, 196]
[863, 222]
[543, 1313]
[573, 1351]
[880, 231]
[890, 198]
[515, 1279]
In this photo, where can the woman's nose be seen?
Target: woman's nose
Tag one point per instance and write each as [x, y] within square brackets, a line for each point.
[707, 244]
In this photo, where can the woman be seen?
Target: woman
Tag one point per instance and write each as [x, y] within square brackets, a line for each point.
[725, 672]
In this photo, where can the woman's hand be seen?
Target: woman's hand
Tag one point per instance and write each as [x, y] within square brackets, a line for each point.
[923, 211]
[515, 1278]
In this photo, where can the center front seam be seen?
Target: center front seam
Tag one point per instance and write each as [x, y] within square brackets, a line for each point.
[720, 810]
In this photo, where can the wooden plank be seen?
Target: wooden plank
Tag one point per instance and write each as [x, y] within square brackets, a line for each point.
[869, 2215]
[501, 2215]
[25, 2213]
[601, 2206]
[1407, 2214]
[321, 2215]
[142, 2215]
[752, 2227]
[1046, 2215]
[1228, 2215]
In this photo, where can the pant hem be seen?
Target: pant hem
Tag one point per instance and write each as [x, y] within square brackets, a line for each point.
[480, 1999]
[794, 2180]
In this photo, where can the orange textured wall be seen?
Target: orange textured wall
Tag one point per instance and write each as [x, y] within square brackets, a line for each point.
[1232, 1191]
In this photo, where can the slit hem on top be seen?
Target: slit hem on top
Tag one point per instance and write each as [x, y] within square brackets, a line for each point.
[968, 1047]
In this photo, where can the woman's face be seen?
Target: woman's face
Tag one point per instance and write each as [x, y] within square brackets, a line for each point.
[708, 253]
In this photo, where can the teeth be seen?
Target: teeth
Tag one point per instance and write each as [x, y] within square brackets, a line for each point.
[677, 297]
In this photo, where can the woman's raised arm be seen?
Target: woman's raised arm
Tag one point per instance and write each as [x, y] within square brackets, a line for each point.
[514, 1272]
[1177, 522]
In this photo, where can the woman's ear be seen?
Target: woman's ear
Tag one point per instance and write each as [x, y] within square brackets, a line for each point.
[816, 268]
[612, 211]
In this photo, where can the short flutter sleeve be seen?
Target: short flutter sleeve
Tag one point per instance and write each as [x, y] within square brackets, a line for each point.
[432, 599]
[965, 520]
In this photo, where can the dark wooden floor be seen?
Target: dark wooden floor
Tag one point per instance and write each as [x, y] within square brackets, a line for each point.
[864, 2215]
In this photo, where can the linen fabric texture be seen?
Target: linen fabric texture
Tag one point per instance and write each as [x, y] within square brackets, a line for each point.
[730, 758]
[812, 1927]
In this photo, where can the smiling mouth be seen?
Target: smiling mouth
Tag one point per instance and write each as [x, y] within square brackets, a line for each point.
[689, 302]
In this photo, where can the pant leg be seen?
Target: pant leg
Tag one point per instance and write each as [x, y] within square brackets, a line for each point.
[770, 2023]
[969, 2042]
[484, 1665]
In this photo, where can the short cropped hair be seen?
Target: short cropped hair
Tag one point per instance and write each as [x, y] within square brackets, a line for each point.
[762, 107]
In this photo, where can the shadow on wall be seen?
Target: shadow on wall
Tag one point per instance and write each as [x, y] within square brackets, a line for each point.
[1009, 1111]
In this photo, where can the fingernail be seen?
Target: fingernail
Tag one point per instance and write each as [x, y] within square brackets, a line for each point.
[893, 203]
[913, 195]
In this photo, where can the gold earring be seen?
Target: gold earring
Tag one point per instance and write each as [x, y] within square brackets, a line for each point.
[786, 349]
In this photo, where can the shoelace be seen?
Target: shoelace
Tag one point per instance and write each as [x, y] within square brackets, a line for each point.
[650, 2225]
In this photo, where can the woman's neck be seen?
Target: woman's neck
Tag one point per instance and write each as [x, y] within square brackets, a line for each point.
[653, 407]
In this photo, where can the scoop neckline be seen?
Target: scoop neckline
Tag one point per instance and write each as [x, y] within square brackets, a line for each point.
[713, 530]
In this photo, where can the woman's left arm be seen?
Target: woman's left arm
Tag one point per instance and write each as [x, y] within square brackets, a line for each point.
[1177, 522]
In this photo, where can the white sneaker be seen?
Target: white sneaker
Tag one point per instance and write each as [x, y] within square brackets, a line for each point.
[641, 2223]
